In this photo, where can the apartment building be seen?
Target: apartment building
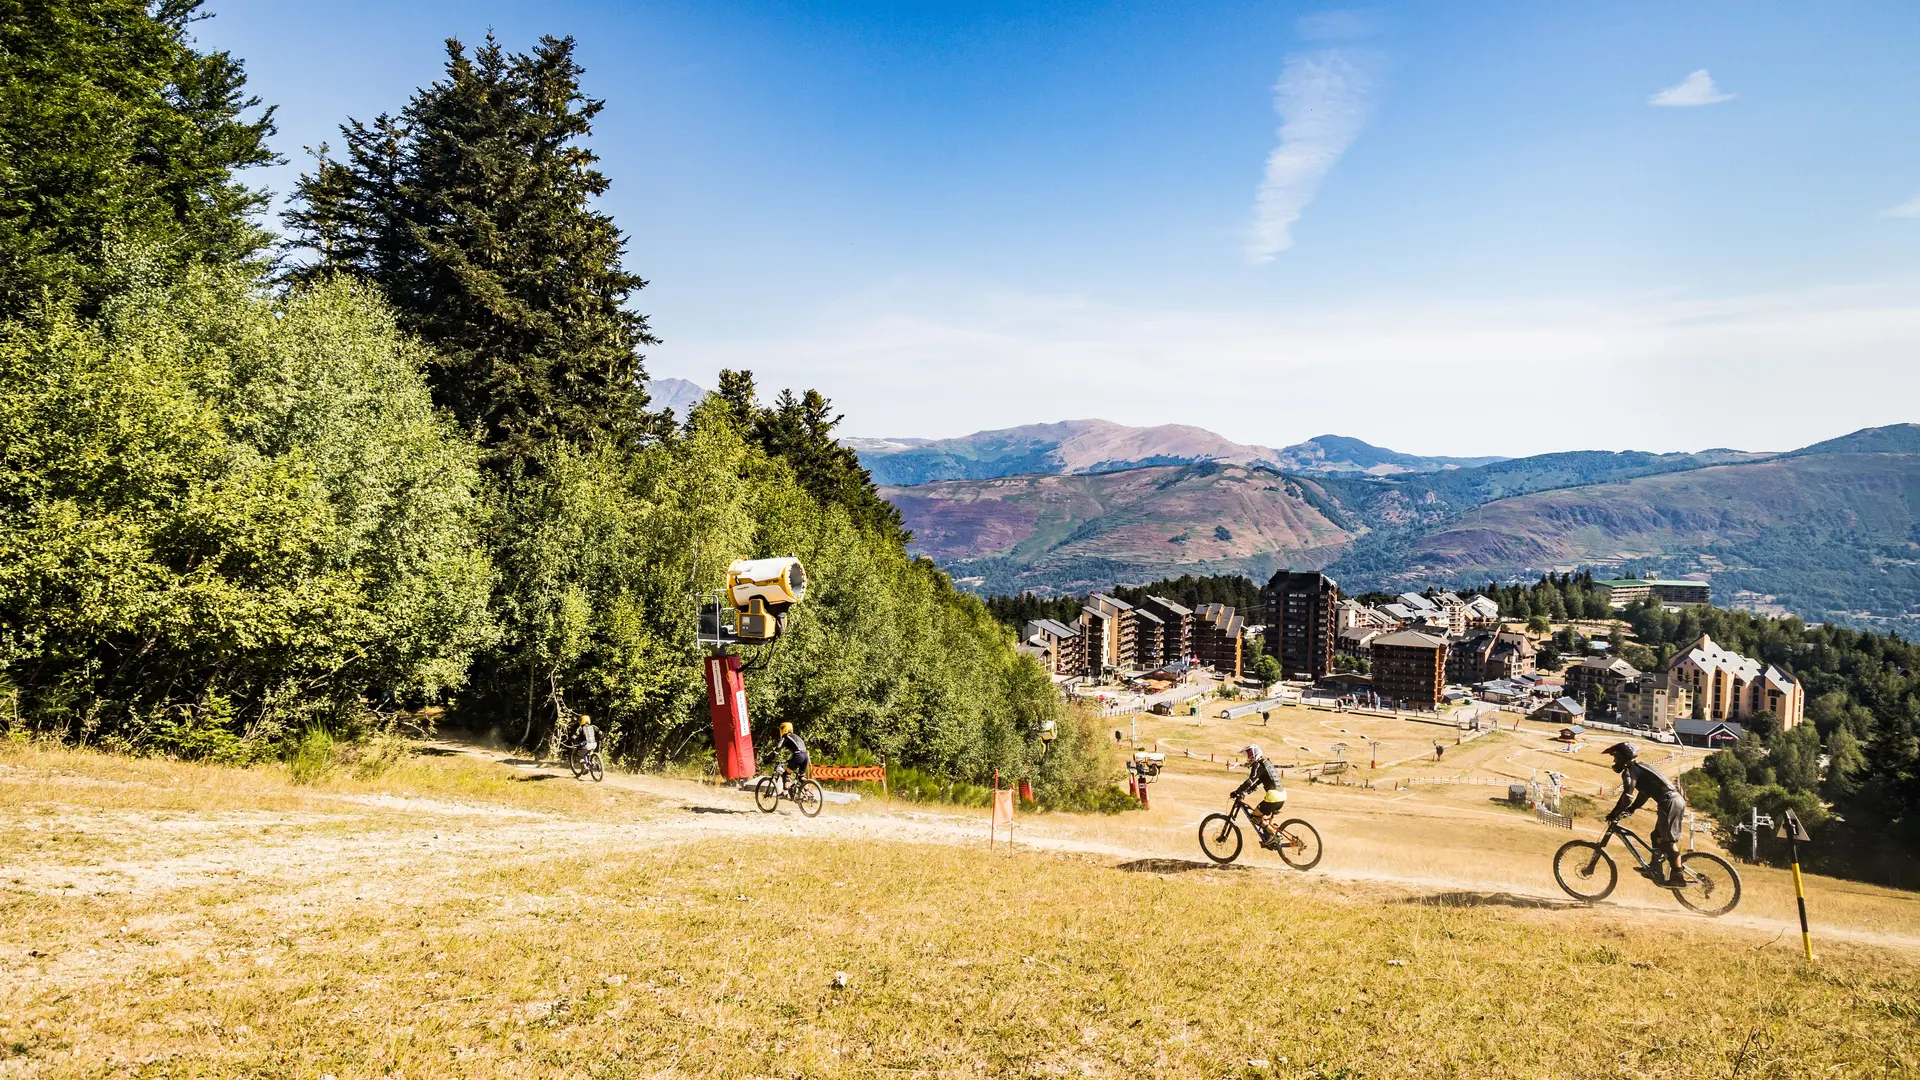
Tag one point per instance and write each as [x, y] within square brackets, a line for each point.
[1058, 647]
[1623, 591]
[1409, 669]
[1729, 686]
[1482, 613]
[1489, 655]
[1655, 701]
[1119, 632]
[1219, 638]
[1604, 673]
[1305, 612]
[1176, 632]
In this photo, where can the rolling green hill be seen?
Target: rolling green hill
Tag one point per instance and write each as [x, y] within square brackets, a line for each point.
[1069, 531]
[1831, 532]
[1829, 535]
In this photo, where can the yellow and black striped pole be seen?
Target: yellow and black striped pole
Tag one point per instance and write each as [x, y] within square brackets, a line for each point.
[1795, 834]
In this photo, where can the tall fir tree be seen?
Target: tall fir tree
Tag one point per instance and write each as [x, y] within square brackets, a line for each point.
[799, 431]
[473, 211]
[115, 130]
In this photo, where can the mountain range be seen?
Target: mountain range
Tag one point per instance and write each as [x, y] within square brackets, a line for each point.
[1830, 531]
[1098, 446]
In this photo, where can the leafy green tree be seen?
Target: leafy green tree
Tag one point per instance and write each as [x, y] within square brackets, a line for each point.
[1267, 669]
[226, 516]
[114, 130]
[472, 211]
[1845, 761]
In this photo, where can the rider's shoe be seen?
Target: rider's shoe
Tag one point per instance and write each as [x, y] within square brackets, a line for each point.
[1677, 880]
[1272, 842]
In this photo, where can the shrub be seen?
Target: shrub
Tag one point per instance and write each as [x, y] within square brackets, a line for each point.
[310, 757]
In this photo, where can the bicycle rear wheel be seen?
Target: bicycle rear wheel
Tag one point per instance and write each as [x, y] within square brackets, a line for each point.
[1299, 845]
[1220, 838]
[1713, 886]
[596, 766]
[807, 795]
[766, 795]
[1585, 871]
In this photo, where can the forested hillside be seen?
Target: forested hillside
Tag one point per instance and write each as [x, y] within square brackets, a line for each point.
[418, 466]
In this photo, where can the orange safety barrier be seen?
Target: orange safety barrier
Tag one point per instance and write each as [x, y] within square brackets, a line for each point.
[872, 774]
[869, 774]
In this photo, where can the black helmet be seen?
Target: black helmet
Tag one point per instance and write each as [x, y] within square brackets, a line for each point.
[1623, 752]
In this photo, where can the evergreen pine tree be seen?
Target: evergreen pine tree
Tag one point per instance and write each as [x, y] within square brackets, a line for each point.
[473, 211]
[116, 131]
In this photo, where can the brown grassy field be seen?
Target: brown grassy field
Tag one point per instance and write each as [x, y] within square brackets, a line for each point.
[459, 917]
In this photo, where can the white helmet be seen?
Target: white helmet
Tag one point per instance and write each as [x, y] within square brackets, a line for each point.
[1252, 750]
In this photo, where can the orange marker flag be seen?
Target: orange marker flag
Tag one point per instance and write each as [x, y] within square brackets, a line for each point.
[1002, 815]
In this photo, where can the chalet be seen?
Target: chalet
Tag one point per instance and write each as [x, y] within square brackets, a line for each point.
[1710, 734]
[1560, 710]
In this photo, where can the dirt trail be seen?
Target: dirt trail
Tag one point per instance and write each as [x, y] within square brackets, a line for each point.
[704, 810]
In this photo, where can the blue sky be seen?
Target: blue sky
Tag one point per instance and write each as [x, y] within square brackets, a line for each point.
[1462, 228]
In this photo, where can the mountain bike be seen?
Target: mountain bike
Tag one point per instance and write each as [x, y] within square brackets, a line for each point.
[1296, 842]
[588, 763]
[1585, 870]
[804, 792]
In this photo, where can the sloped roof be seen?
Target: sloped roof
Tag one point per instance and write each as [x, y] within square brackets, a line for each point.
[1707, 727]
[1411, 639]
[1168, 605]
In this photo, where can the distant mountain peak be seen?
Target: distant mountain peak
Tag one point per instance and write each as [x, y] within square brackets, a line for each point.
[677, 396]
[1891, 439]
[1092, 445]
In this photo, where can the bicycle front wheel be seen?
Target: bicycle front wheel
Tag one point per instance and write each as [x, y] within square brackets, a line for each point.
[807, 795]
[1299, 844]
[1220, 838]
[1713, 886]
[1585, 871]
[766, 795]
[573, 763]
[597, 767]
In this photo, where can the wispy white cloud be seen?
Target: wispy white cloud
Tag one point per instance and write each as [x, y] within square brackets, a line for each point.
[1323, 99]
[1910, 208]
[1695, 89]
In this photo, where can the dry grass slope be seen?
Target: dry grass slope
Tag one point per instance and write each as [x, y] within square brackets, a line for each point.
[491, 927]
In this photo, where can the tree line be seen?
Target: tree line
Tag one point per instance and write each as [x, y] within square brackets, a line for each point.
[403, 455]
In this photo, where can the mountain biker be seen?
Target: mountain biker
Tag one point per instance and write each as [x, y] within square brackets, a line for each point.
[1263, 774]
[796, 749]
[586, 737]
[1639, 784]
